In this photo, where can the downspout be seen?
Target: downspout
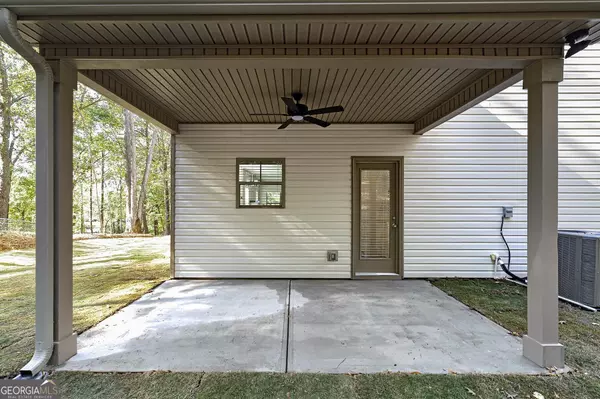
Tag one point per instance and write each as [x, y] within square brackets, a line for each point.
[44, 174]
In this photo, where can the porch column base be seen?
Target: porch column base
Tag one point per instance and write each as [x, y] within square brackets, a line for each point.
[544, 355]
[64, 350]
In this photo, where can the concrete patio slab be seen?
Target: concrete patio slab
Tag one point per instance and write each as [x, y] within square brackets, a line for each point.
[405, 326]
[335, 326]
[186, 325]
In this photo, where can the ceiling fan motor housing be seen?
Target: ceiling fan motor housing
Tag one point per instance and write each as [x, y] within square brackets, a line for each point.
[302, 110]
[297, 96]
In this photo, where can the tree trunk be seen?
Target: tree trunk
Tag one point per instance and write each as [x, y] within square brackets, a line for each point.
[120, 216]
[5, 135]
[166, 179]
[143, 225]
[82, 223]
[144, 220]
[102, 181]
[130, 172]
[91, 202]
[167, 209]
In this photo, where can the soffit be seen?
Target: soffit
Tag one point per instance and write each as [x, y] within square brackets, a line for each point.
[302, 33]
[230, 93]
[369, 95]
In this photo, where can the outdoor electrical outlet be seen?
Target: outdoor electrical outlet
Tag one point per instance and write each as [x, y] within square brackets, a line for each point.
[494, 257]
[332, 256]
[507, 212]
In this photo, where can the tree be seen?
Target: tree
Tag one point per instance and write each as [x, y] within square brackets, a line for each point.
[130, 170]
[137, 195]
[98, 126]
[144, 187]
[22, 204]
[17, 114]
[164, 145]
[110, 146]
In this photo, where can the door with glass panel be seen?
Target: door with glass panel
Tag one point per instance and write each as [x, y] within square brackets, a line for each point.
[376, 217]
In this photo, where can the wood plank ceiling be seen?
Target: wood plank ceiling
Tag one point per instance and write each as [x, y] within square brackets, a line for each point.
[222, 33]
[231, 95]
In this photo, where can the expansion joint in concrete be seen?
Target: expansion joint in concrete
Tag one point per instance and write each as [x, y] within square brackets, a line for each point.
[287, 323]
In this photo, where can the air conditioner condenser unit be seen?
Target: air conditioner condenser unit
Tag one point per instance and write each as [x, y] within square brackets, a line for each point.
[579, 266]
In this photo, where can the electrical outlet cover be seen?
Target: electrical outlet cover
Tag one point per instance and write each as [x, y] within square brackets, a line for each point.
[332, 256]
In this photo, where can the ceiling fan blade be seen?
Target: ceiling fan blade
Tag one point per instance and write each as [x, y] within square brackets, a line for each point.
[290, 103]
[268, 114]
[285, 124]
[316, 121]
[337, 108]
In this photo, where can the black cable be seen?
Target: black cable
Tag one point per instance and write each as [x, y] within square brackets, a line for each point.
[504, 267]
[505, 242]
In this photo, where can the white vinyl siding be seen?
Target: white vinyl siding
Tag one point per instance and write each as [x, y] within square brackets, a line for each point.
[457, 178]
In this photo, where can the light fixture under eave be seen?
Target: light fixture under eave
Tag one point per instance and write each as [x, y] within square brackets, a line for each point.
[577, 47]
[297, 118]
[577, 41]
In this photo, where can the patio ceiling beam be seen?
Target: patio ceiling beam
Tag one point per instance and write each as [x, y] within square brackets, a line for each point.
[208, 49]
[477, 91]
[321, 56]
[111, 87]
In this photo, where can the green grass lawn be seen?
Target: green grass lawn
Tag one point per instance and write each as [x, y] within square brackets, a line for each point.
[326, 386]
[108, 275]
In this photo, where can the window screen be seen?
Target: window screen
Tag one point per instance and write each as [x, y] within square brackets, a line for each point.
[260, 183]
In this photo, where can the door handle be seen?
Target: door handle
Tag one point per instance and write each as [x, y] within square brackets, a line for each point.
[394, 225]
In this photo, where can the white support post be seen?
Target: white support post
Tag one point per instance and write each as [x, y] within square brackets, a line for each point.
[541, 344]
[65, 340]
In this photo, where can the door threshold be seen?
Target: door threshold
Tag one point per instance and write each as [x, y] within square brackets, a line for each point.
[366, 275]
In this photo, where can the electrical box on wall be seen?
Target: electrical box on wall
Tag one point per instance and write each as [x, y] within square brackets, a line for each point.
[507, 212]
[332, 256]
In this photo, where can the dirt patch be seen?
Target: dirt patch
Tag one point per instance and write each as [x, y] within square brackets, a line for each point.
[12, 241]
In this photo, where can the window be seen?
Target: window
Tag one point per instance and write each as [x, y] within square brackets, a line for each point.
[260, 183]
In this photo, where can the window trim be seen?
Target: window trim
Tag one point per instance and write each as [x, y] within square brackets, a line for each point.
[238, 183]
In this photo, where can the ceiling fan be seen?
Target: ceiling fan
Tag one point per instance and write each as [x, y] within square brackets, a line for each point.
[300, 112]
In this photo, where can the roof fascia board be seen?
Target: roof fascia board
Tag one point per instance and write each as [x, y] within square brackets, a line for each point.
[160, 7]
[321, 18]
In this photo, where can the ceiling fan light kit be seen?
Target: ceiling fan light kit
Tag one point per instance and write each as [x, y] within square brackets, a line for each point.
[300, 113]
